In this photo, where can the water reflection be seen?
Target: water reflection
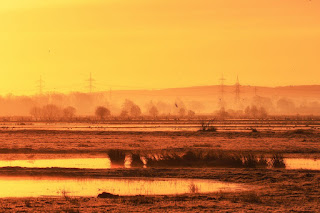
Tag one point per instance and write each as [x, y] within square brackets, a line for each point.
[46, 186]
[302, 163]
[105, 163]
[82, 163]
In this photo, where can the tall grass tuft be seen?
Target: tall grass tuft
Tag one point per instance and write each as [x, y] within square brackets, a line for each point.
[262, 162]
[250, 161]
[277, 161]
[193, 188]
[136, 160]
[207, 126]
[197, 158]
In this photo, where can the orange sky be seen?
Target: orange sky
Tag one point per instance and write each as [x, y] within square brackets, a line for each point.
[157, 44]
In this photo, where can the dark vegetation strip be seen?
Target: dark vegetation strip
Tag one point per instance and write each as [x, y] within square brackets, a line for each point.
[302, 152]
[214, 159]
[196, 158]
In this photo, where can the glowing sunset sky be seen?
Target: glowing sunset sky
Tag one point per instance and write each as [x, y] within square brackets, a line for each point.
[132, 44]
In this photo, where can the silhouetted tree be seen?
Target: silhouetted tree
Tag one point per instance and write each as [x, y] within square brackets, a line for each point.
[102, 112]
[69, 112]
[191, 113]
[36, 112]
[286, 106]
[182, 112]
[153, 111]
[135, 111]
[124, 114]
[263, 112]
[51, 112]
[255, 112]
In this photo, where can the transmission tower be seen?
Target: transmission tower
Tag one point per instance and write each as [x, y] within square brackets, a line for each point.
[237, 97]
[40, 85]
[91, 80]
[222, 80]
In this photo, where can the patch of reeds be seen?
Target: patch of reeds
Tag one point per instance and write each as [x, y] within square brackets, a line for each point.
[277, 161]
[247, 197]
[202, 145]
[250, 197]
[301, 131]
[28, 203]
[117, 156]
[206, 126]
[71, 200]
[137, 200]
[136, 160]
[252, 161]
[213, 159]
[193, 188]
[164, 160]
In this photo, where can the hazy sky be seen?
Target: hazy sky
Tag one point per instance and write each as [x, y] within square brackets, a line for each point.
[154, 44]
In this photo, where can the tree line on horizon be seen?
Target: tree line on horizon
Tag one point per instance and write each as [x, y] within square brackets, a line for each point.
[130, 110]
[84, 106]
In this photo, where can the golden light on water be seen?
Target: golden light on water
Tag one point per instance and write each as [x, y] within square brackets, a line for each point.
[81, 163]
[46, 186]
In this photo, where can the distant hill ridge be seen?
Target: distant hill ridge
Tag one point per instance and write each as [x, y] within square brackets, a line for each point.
[246, 90]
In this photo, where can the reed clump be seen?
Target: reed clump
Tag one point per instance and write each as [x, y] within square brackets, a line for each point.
[136, 160]
[206, 126]
[277, 161]
[117, 156]
[198, 159]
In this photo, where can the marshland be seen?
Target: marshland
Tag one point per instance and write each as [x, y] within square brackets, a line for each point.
[159, 106]
[207, 169]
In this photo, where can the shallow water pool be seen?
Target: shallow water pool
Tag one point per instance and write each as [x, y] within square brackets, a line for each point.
[51, 186]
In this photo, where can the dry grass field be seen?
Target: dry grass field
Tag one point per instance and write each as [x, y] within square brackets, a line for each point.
[97, 142]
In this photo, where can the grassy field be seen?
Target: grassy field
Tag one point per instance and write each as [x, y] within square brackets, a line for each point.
[97, 142]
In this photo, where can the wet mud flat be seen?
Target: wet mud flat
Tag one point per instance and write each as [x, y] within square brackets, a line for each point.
[272, 190]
